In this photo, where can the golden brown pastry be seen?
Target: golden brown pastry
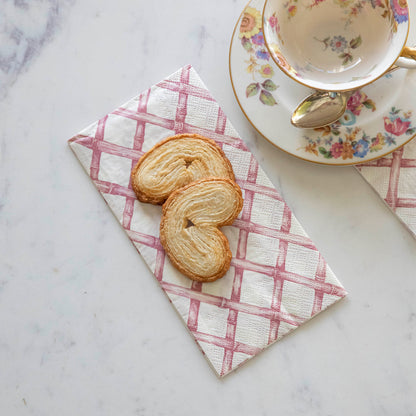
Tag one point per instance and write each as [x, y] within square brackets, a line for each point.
[175, 162]
[189, 228]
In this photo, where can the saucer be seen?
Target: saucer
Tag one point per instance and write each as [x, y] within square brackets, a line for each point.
[379, 119]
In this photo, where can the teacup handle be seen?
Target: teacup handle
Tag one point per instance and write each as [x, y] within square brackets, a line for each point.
[407, 58]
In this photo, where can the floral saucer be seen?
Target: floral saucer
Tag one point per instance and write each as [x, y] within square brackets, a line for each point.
[380, 117]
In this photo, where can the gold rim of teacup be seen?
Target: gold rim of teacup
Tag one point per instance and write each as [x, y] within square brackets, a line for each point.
[269, 49]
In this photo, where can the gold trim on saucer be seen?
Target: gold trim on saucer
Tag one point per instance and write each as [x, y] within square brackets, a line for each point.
[273, 143]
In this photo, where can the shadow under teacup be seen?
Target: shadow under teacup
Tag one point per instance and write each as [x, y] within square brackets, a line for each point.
[337, 45]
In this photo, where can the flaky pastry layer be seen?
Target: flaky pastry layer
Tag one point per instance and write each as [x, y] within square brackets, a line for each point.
[175, 162]
[189, 228]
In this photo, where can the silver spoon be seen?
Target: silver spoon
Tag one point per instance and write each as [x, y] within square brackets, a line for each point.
[323, 107]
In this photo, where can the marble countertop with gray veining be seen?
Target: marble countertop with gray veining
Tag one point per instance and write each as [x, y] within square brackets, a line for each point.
[79, 334]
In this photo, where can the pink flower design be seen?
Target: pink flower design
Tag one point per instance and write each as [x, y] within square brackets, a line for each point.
[400, 10]
[292, 10]
[336, 150]
[266, 71]
[355, 103]
[396, 127]
[315, 3]
[273, 21]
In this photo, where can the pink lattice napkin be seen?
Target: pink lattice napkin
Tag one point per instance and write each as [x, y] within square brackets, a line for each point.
[394, 178]
[277, 279]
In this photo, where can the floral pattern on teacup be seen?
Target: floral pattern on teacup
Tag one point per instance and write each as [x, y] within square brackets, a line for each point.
[258, 66]
[291, 8]
[274, 26]
[394, 10]
[400, 10]
[341, 46]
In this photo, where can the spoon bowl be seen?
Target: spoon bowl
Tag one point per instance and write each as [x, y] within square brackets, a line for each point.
[320, 109]
[323, 108]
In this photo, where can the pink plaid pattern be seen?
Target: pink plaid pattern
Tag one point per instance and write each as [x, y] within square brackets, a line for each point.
[394, 179]
[277, 279]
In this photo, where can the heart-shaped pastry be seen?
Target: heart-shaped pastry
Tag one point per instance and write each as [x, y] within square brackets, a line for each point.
[189, 228]
[175, 162]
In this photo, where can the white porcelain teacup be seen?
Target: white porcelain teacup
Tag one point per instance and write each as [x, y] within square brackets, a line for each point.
[337, 45]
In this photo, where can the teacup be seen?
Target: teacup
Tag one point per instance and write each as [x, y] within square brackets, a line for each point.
[337, 45]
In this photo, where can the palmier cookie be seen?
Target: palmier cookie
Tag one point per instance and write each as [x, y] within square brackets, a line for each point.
[175, 162]
[189, 228]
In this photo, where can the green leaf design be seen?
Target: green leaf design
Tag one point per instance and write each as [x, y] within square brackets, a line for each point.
[269, 85]
[356, 42]
[326, 153]
[370, 104]
[252, 89]
[247, 45]
[411, 131]
[267, 98]
[347, 58]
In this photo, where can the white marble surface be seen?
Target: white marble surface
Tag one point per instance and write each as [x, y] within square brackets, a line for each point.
[84, 327]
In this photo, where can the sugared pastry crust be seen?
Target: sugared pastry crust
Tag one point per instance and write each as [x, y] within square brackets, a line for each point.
[175, 162]
[189, 228]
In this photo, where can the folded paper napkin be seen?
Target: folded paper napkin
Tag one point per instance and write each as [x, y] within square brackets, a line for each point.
[277, 279]
[394, 178]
